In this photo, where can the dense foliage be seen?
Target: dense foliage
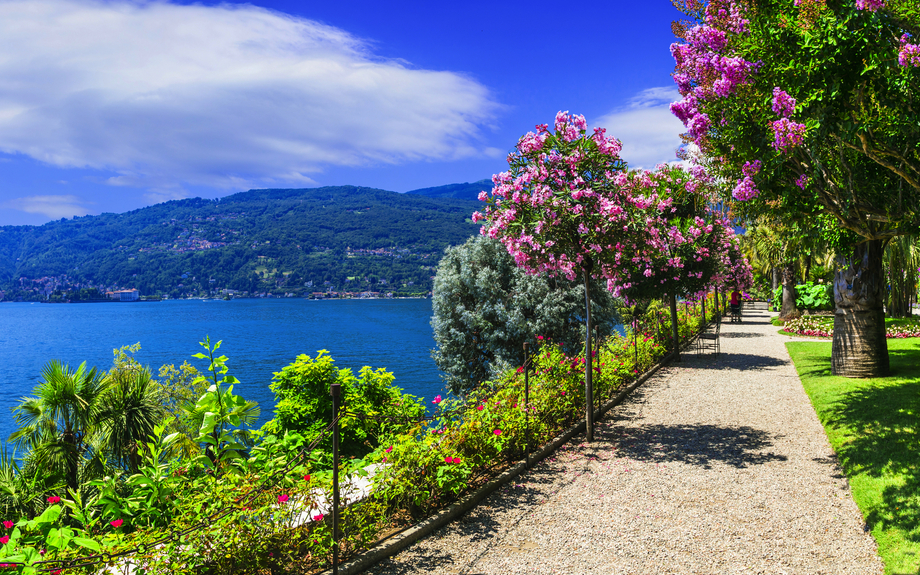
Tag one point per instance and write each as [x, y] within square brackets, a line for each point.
[485, 308]
[261, 241]
[263, 508]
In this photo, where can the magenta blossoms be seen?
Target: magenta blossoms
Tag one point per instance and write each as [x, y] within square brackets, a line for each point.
[909, 54]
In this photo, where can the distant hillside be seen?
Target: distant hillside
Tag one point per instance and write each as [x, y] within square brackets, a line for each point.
[469, 191]
[342, 238]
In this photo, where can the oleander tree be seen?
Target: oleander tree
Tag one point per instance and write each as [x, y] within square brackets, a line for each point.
[682, 246]
[557, 209]
[809, 109]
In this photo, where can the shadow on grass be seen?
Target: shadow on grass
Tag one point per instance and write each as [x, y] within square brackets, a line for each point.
[884, 421]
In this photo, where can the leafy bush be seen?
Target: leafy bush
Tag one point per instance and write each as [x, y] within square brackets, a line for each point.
[303, 403]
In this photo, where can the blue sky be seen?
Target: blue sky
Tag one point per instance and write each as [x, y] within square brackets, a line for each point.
[109, 106]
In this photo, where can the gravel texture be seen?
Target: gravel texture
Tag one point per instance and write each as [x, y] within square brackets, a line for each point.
[717, 465]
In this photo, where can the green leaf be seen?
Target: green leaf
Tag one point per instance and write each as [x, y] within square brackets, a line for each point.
[87, 543]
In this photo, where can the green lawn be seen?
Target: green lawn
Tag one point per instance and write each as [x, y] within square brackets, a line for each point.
[872, 425]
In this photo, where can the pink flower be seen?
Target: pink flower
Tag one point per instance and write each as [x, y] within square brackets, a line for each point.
[389, 449]
[318, 517]
[8, 524]
[306, 478]
[456, 460]
[437, 399]
[283, 498]
[497, 432]
[54, 499]
[480, 407]
[448, 459]
[117, 523]
[5, 539]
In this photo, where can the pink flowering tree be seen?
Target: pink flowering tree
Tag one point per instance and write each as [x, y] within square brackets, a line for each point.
[682, 246]
[808, 110]
[558, 211]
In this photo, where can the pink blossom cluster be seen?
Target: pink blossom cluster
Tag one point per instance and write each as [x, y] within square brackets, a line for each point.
[703, 70]
[870, 5]
[745, 188]
[783, 103]
[787, 134]
[562, 185]
[910, 53]
[802, 181]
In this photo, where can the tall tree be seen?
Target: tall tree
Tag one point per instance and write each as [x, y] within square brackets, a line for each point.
[556, 209]
[811, 107]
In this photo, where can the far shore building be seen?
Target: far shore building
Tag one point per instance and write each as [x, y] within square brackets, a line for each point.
[124, 295]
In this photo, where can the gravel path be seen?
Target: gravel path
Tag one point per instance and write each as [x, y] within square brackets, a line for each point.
[717, 465]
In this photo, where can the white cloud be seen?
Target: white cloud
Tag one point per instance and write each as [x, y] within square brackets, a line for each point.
[230, 96]
[649, 132]
[53, 207]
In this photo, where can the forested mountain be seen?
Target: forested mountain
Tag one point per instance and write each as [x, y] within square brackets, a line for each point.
[342, 238]
[468, 191]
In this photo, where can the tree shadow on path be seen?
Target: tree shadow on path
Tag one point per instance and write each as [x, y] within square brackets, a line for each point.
[724, 360]
[702, 445]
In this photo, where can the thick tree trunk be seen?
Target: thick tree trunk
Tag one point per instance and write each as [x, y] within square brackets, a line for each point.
[589, 383]
[788, 307]
[776, 278]
[860, 348]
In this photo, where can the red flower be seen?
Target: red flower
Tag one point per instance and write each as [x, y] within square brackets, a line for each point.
[306, 478]
[117, 523]
[318, 517]
[479, 407]
[54, 499]
[8, 524]
[283, 498]
[5, 539]
[497, 432]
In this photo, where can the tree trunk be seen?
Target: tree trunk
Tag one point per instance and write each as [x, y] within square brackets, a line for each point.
[674, 332]
[788, 307]
[860, 348]
[776, 277]
[589, 387]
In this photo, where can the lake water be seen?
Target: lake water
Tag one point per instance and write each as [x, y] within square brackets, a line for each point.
[260, 336]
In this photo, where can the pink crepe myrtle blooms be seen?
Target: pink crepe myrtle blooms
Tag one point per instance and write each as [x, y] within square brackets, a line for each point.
[783, 103]
[909, 54]
[870, 5]
[802, 181]
[787, 134]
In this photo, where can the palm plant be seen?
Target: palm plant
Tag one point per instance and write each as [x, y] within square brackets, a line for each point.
[129, 410]
[57, 427]
[901, 260]
[21, 490]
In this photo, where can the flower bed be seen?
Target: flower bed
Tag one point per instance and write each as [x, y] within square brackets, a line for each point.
[823, 326]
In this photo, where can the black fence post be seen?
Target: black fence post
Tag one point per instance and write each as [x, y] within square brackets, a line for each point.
[526, 404]
[335, 390]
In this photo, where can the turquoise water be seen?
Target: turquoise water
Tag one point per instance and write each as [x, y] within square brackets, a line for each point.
[260, 336]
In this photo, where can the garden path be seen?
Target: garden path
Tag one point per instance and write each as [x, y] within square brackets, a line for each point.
[717, 464]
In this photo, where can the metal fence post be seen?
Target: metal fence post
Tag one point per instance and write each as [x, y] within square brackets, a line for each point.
[526, 404]
[335, 390]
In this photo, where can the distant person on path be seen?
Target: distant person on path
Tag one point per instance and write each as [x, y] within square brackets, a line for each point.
[735, 304]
